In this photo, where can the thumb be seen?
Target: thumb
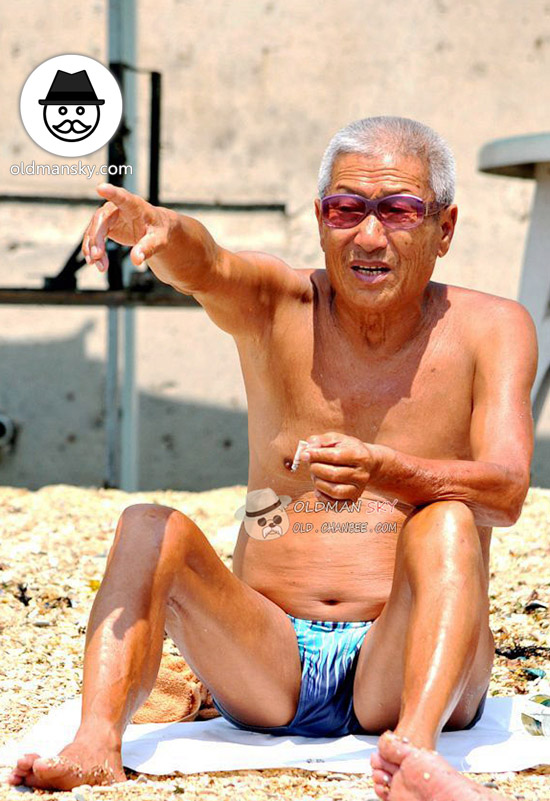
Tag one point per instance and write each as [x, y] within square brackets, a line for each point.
[147, 246]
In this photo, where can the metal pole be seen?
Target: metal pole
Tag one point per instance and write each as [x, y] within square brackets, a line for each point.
[122, 49]
[111, 402]
[154, 139]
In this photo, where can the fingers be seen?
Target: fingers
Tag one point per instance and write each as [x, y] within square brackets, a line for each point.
[333, 448]
[147, 246]
[330, 455]
[335, 474]
[129, 220]
[93, 243]
[326, 440]
[337, 492]
[119, 196]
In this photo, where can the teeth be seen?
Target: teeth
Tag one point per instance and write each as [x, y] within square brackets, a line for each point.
[370, 270]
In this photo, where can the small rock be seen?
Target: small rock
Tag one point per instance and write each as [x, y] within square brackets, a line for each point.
[532, 606]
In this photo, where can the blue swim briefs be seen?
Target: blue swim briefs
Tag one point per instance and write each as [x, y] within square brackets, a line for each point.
[328, 653]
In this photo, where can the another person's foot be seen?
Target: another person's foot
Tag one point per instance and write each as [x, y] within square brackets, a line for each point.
[78, 763]
[402, 772]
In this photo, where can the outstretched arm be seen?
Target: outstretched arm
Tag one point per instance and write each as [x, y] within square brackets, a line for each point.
[239, 291]
[495, 482]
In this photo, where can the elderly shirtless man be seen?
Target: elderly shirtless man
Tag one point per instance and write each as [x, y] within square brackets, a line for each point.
[410, 393]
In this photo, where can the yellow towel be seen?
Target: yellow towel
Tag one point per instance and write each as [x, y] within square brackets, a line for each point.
[178, 695]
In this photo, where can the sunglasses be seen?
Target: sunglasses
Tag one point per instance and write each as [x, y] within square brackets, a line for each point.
[277, 519]
[393, 211]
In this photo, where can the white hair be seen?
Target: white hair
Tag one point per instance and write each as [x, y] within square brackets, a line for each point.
[377, 136]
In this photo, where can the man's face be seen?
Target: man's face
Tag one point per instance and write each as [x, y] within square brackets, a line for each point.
[409, 254]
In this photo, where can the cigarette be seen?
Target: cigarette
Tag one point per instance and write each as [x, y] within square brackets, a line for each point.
[302, 445]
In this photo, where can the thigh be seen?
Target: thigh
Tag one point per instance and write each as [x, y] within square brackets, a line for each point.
[241, 644]
[427, 553]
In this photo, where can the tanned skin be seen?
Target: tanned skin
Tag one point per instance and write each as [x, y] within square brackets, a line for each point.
[406, 389]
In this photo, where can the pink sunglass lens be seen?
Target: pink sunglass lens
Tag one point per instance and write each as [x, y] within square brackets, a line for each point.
[400, 212]
[343, 212]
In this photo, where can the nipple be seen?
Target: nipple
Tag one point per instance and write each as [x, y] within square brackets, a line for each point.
[288, 464]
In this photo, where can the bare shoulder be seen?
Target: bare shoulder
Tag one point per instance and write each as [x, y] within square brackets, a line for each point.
[493, 324]
[483, 313]
[279, 275]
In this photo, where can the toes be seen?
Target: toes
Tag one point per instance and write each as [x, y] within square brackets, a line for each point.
[378, 762]
[25, 762]
[54, 771]
[382, 791]
[393, 748]
[381, 777]
[22, 769]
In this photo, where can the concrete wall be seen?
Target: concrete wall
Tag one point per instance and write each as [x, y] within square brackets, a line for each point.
[252, 93]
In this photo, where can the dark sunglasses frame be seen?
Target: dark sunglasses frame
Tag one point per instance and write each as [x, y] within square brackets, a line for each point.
[423, 209]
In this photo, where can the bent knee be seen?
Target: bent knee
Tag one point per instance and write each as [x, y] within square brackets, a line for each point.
[152, 524]
[447, 528]
[154, 511]
[445, 521]
[446, 511]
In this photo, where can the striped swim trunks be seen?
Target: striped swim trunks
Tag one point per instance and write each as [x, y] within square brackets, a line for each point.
[328, 652]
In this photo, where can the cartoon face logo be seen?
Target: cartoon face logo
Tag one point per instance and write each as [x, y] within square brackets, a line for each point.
[71, 107]
[71, 123]
[264, 514]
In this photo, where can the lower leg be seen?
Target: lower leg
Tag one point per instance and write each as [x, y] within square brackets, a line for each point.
[126, 627]
[122, 655]
[438, 663]
[428, 658]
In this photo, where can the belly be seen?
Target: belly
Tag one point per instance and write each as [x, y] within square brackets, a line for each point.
[331, 563]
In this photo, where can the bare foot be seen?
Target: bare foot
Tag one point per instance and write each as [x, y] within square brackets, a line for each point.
[78, 763]
[402, 772]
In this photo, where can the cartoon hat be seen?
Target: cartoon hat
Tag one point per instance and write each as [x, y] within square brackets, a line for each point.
[71, 88]
[260, 502]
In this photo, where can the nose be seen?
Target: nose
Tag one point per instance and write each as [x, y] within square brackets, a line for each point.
[371, 234]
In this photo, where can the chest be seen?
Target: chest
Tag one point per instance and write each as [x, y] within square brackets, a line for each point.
[418, 401]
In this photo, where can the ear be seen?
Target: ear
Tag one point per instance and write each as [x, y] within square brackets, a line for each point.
[319, 222]
[447, 225]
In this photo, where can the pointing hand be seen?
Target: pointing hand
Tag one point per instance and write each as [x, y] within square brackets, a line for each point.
[129, 220]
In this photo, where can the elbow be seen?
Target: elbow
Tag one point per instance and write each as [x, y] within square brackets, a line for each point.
[515, 495]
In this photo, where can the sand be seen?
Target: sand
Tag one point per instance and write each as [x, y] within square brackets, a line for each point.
[52, 557]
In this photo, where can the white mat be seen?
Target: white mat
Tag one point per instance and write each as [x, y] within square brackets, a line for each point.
[497, 743]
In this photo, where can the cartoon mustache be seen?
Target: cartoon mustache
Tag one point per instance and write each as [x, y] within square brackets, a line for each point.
[71, 126]
[269, 531]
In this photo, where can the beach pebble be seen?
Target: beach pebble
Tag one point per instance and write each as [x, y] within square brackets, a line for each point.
[82, 792]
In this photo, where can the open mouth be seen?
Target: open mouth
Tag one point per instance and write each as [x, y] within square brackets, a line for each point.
[360, 268]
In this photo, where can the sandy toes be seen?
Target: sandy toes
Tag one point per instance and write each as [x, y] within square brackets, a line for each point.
[402, 772]
[75, 765]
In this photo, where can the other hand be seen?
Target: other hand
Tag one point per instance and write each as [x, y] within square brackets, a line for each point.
[340, 466]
